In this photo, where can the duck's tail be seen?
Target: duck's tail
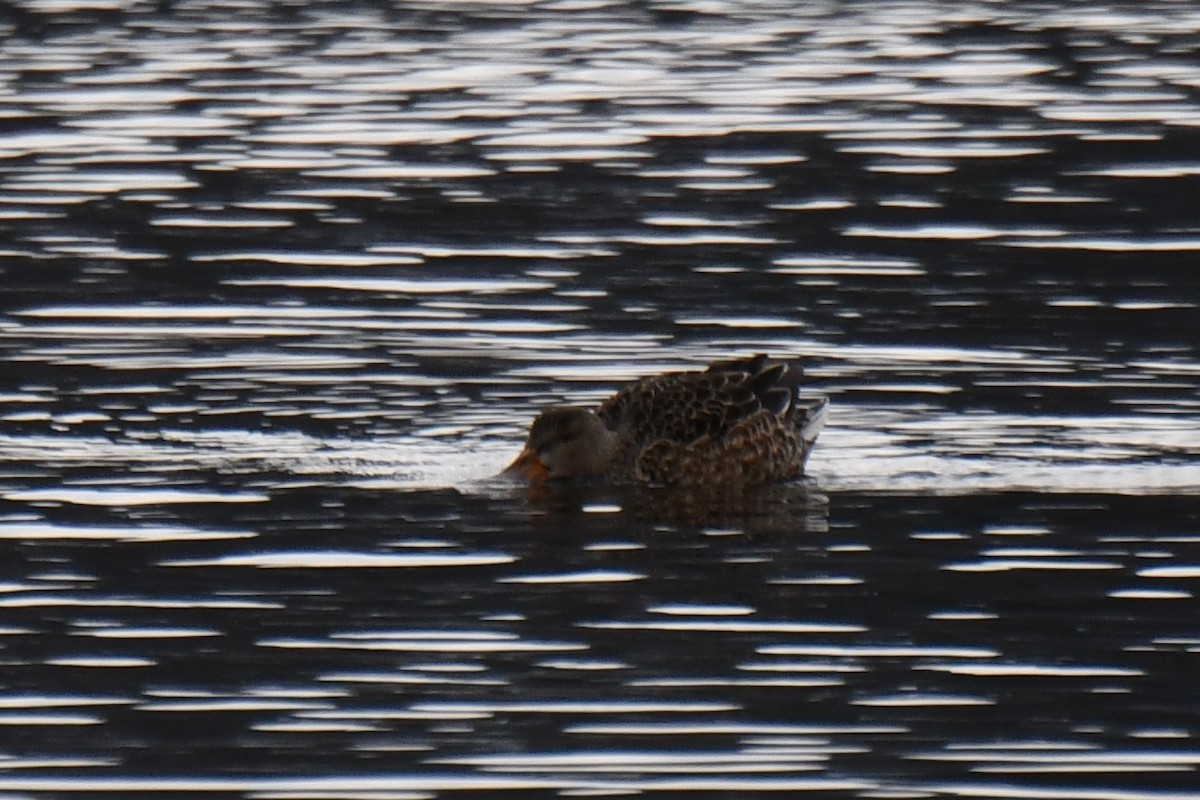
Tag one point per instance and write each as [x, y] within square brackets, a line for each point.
[809, 415]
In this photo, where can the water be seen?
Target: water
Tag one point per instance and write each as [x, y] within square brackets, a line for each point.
[283, 286]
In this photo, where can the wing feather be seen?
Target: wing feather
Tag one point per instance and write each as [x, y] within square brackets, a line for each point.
[682, 408]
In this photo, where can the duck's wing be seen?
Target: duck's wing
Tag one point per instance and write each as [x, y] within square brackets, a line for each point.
[776, 384]
[686, 407]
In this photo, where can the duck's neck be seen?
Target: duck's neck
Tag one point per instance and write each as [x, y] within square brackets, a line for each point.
[599, 448]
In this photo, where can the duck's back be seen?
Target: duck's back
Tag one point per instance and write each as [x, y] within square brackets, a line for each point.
[739, 420]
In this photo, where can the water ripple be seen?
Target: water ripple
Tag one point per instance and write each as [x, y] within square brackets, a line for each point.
[284, 287]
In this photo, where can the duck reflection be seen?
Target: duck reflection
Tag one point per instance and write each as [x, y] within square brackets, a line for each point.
[795, 507]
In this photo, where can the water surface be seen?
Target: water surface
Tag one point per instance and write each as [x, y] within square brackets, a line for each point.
[283, 287]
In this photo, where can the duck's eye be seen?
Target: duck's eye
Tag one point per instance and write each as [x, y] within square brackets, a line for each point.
[553, 444]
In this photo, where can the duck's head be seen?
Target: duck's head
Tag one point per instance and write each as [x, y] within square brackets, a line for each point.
[564, 442]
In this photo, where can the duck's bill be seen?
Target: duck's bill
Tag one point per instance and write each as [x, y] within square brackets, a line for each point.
[527, 467]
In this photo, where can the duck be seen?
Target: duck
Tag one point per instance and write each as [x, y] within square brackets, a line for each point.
[739, 421]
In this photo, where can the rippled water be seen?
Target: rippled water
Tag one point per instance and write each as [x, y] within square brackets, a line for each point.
[284, 284]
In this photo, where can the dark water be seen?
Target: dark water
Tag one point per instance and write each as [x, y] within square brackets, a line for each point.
[284, 283]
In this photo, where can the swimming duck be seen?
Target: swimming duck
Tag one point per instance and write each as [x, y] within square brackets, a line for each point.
[739, 421]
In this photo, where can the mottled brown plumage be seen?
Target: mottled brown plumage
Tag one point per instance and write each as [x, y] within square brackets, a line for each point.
[739, 421]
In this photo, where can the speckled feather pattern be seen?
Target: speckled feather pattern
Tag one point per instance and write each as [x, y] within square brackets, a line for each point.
[737, 421]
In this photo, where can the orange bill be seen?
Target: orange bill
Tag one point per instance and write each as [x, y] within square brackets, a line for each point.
[528, 467]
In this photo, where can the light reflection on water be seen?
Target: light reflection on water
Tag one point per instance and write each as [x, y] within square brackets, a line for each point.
[895, 451]
[284, 289]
